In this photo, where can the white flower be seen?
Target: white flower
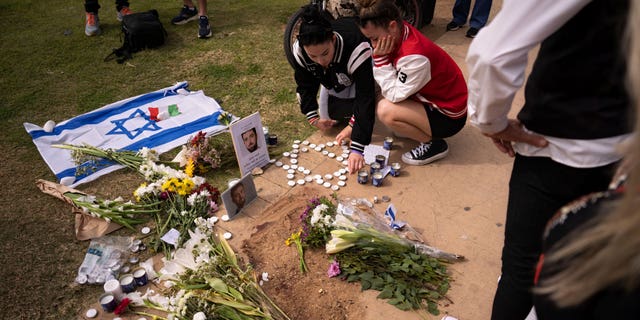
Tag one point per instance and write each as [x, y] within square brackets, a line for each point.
[320, 208]
[191, 200]
[315, 217]
[197, 180]
[200, 316]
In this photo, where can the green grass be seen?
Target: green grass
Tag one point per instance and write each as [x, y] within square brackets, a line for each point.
[50, 70]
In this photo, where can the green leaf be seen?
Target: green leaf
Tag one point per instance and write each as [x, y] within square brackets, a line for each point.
[367, 276]
[386, 293]
[365, 285]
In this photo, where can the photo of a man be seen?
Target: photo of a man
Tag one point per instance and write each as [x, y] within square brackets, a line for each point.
[250, 139]
[238, 196]
[249, 144]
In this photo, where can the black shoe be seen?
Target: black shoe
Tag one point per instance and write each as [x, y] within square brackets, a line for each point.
[452, 26]
[472, 32]
[426, 152]
[204, 29]
[185, 15]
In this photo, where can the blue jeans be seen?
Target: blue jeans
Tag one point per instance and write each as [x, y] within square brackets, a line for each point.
[479, 15]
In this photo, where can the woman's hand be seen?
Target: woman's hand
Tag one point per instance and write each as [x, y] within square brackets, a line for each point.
[356, 162]
[324, 124]
[384, 46]
[344, 135]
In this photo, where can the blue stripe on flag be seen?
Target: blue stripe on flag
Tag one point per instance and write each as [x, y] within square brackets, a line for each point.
[101, 115]
[166, 136]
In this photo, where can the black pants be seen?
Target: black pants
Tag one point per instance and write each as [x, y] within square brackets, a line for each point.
[538, 187]
[93, 6]
[340, 109]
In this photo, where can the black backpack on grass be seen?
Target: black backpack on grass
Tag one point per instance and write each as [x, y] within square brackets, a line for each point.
[140, 31]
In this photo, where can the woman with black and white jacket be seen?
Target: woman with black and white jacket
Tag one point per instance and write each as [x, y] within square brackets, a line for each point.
[336, 58]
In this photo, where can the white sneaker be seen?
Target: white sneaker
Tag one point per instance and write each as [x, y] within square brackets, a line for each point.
[92, 25]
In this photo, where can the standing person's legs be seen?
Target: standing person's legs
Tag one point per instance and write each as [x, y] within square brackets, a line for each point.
[203, 8]
[538, 188]
[91, 6]
[204, 29]
[461, 11]
[92, 22]
[480, 14]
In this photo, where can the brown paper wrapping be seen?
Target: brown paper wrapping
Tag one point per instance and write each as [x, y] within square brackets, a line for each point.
[86, 226]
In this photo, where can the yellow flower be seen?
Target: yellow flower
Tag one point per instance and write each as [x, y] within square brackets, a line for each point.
[189, 168]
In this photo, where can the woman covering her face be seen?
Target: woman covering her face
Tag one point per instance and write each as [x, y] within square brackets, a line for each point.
[425, 94]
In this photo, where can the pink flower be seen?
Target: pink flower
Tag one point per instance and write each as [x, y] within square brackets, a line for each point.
[334, 269]
[213, 207]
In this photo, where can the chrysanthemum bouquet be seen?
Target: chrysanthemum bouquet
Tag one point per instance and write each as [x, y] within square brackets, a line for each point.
[184, 197]
[180, 196]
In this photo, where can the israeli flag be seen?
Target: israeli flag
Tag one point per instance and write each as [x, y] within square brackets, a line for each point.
[127, 125]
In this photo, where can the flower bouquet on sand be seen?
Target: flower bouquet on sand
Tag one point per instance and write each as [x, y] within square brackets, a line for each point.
[409, 274]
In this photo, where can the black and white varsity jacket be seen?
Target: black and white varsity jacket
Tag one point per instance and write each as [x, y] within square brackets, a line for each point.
[352, 64]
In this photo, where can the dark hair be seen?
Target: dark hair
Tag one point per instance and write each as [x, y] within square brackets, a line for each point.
[378, 12]
[315, 28]
[252, 129]
[235, 187]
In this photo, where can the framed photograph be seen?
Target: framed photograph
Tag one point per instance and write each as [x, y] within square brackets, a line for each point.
[249, 143]
[239, 195]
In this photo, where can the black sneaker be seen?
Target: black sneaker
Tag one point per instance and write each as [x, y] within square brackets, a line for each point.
[452, 26]
[185, 15]
[472, 32]
[204, 30]
[426, 152]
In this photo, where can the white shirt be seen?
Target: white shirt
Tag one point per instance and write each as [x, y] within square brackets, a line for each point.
[497, 59]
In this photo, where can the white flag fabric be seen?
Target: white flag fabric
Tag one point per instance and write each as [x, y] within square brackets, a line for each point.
[129, 124]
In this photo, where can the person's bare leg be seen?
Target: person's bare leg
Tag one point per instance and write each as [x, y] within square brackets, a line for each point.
[202, 7]
[407, 118]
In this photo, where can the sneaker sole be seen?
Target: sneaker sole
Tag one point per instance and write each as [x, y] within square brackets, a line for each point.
[92, 34]
[453, 29]
[205, 37]
[426, 161]
[181, 22]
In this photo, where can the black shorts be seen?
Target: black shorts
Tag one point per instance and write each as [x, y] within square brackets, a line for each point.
[441, 125]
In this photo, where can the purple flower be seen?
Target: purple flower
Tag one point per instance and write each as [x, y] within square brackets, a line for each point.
[164, 195]
[334, 269]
